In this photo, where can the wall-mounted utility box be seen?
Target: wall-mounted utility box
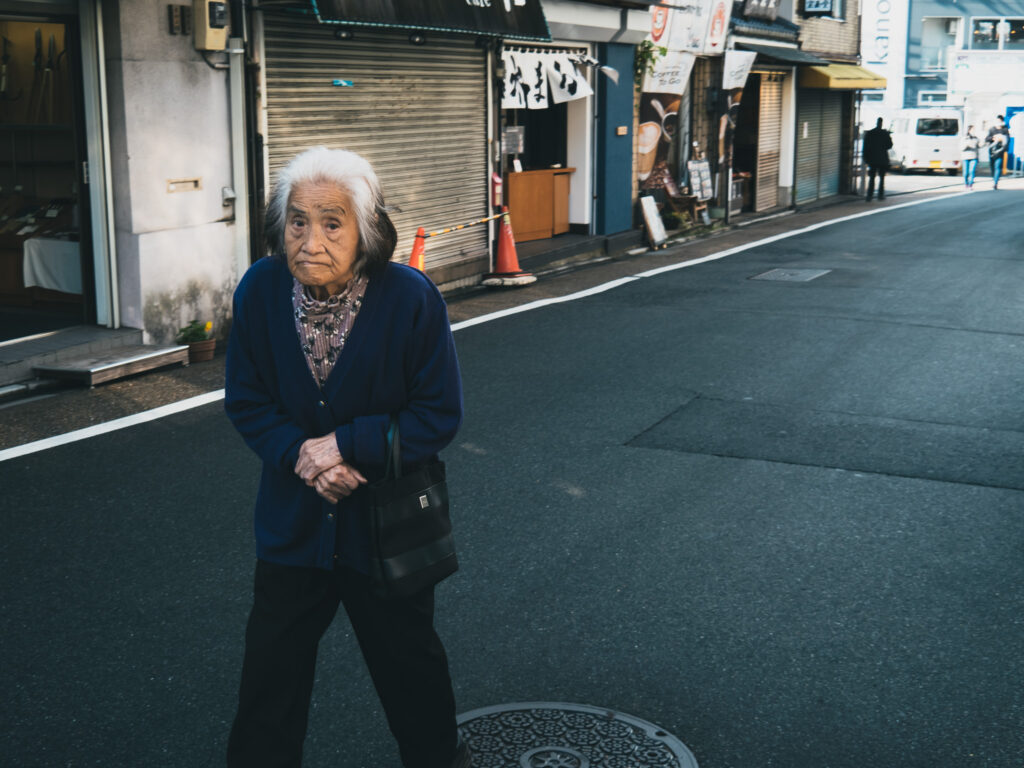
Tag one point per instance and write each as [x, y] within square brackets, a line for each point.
[210, 25]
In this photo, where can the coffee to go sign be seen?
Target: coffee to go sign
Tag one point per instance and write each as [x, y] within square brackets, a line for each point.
[819, 7]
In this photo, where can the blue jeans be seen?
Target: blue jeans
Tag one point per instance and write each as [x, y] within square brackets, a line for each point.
[970, 166]
[997, 168]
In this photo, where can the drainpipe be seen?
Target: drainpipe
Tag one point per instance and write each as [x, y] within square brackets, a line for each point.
[236, 94]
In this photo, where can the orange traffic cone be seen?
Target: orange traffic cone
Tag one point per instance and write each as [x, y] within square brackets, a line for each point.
[416, 257]
[507, 271]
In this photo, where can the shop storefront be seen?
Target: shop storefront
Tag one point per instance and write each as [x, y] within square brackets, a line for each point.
[47, 271]
[411, 95]
[547, 139]
[826, 130]
[680, 149]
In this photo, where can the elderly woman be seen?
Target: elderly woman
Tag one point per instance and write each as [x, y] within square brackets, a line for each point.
[329, 339]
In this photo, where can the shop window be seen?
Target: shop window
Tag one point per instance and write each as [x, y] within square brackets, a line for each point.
[938, 37]
[993, 34]
[985, 34]
[1014, 38]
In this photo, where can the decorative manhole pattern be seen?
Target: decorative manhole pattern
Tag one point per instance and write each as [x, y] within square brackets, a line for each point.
[791, 275]
[559, 735]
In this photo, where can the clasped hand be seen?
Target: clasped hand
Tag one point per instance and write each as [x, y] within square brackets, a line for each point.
[322, 467]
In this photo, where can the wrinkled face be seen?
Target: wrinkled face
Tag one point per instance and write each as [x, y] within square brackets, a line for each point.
[321, 237]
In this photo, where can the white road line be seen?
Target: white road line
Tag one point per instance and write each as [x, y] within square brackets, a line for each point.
[112, 426]
[212, 397]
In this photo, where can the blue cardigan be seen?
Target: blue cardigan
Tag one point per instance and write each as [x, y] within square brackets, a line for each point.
[399, 357]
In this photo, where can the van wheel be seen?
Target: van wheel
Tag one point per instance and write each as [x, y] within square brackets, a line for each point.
[953, 171]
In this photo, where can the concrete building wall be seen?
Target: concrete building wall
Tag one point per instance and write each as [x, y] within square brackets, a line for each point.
[922, 78]
[835, 38]
[169, 120]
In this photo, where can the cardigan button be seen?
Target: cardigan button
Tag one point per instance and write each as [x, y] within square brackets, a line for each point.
[330, 515]
[323, 404]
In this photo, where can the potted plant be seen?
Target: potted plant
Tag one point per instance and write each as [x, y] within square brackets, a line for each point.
[200, 343]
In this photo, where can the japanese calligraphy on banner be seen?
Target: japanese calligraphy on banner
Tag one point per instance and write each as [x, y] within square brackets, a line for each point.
[530, 75]
[514, 88]
[564, 79]
[736, 69]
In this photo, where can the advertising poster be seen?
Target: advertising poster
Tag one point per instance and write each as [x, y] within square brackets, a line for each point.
[659, 117]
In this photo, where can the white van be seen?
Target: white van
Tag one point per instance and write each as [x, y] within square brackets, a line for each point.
[926, 139]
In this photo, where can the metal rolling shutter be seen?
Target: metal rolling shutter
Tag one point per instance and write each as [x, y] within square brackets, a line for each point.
[831, 143]
[417, 113]
[769, 143]
[808, 139]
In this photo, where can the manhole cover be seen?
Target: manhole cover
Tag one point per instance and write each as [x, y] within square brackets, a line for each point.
[557, 735]
[791, 275]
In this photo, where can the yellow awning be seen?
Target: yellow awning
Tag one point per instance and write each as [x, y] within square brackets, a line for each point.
[840, 77]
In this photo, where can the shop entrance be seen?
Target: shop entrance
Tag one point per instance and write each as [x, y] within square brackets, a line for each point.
[46, 280]
[546, 141]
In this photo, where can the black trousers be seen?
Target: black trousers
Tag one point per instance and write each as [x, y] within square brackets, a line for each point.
[292, 609]
[872, 170]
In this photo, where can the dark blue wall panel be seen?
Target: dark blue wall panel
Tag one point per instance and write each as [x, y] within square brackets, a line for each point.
[614, 153]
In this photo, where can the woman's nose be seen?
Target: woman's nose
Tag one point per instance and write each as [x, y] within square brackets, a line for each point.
[313, 241]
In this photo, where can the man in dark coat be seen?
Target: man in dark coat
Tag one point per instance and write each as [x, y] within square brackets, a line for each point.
[877, 142]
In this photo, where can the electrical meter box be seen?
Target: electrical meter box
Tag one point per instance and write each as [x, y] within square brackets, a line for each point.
[210, 25]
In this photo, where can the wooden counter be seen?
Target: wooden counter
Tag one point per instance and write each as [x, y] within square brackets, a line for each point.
[538, 203]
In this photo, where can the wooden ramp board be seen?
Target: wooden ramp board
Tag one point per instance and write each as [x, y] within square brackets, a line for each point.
[116, 363]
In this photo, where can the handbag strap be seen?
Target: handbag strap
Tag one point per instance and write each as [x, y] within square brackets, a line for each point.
[394, 463]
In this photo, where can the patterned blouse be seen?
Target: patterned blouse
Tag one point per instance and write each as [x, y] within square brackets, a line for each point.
[324, 326]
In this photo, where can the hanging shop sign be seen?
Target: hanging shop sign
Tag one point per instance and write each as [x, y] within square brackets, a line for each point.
[671, 73]
[761, 9]
[515, 19]
[737, 68]
[718, 26]
[531, 75]
[698, 26]
[819, 7]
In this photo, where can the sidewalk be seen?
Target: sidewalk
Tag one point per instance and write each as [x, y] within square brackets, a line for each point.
[39, 413]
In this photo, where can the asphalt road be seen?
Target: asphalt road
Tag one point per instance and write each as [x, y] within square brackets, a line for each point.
[783, 520]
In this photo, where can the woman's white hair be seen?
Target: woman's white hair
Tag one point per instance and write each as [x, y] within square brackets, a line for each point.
[350, 172]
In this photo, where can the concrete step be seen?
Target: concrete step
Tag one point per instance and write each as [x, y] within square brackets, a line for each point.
[19, 357]
[97, 368]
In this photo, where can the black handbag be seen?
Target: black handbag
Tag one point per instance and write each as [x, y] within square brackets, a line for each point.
[411, 545]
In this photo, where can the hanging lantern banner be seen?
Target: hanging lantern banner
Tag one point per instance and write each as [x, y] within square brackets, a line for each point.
[737, 68]
[535, 75]
[671, 73]
[513, 92]
[565, 81]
